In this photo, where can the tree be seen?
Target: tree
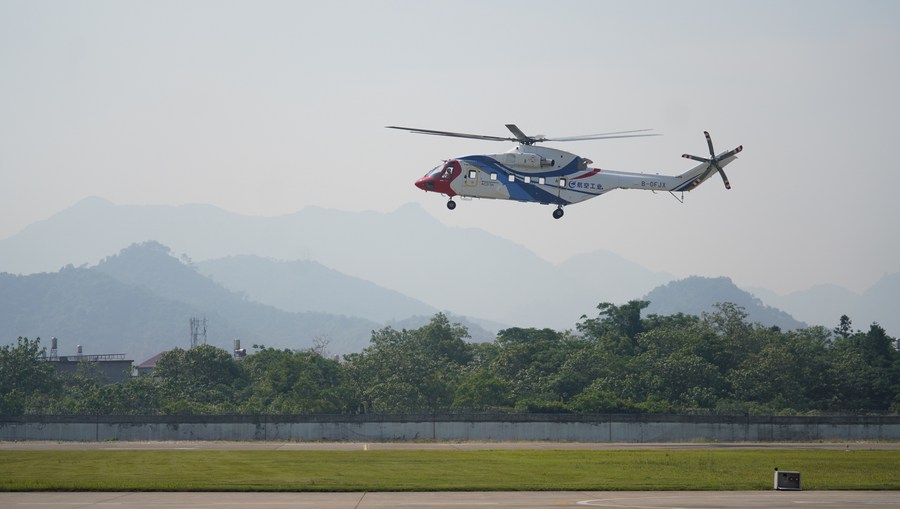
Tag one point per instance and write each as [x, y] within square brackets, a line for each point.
[80, 394]
[624, 320]
[876, 346]
[738, 338]
[201, 379]
[529, 362]
[481, 391]
[789, 373]
[293, 382]
[844, 328]
[24, 375]
[410, 370]
[863, 371]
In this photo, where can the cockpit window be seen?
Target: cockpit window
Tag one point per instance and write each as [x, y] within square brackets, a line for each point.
[450, 169]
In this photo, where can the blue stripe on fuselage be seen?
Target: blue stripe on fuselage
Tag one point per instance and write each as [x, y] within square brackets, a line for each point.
[519, 190]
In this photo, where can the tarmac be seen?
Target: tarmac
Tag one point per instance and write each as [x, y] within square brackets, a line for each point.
[457, 500]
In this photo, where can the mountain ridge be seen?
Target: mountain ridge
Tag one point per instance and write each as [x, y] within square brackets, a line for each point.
[696, 295]
[466, 270]
[407, 251]
[285, 285]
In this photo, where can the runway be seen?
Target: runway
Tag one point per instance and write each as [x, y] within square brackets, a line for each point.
[458, 500]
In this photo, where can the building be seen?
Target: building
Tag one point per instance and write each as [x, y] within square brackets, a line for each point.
[146, 368]
[114, 367]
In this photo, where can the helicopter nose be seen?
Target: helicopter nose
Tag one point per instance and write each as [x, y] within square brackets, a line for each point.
[425, 184]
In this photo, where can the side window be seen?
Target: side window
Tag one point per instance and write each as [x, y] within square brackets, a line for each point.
[562, 182]
[541, 181]
[512, 178]
[493, 176]
[472, 174]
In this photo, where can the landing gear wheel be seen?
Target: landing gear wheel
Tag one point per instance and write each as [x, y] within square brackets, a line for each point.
[451, 204]
[558, 213]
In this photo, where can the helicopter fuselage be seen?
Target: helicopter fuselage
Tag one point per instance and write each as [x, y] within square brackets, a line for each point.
[550, 176]
[536, 174]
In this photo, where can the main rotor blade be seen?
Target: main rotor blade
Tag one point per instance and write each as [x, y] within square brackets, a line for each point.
[451, 134]
[522, 137]
[603, 136]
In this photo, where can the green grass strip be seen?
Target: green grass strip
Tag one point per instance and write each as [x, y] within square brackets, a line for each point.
[488, 470]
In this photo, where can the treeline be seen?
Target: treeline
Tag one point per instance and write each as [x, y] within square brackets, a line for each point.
[616, 362]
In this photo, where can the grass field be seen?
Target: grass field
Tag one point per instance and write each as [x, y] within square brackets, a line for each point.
[255, 470]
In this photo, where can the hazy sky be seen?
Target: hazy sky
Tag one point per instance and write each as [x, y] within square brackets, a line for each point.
[263, 108]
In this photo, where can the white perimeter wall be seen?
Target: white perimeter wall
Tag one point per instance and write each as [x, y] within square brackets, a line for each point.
[386, 428]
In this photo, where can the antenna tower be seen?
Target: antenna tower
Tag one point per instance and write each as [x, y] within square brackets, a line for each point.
[198, 332]
[54, 353]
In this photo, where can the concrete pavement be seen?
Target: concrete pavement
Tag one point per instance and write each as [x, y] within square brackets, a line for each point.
[457, 500]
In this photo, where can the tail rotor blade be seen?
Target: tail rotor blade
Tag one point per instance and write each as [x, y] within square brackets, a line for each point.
[712, 151]
[724, 177]
[714, 161]
[695, 158]
[730, 153]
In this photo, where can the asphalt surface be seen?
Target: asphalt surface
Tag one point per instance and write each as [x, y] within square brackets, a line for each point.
[473, 500]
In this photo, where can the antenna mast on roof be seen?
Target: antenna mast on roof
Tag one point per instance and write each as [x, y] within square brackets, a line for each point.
[198, 332]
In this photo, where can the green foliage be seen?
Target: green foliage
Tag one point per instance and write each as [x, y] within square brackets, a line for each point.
[293, 382]
[530, 362]
[481, 391]
[24, 377]
[410, 370]
[618, 362]
[617, 327]
[204, 379]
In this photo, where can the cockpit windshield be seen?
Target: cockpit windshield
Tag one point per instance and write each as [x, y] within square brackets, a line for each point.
[445, 171]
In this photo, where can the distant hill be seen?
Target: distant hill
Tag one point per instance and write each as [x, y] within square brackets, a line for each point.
[466, 270]
[140, 301]
[480, 331]
[302, 285]
[818, 305]
[391, 265]
[696, 295]
[89, 308]
[607, 277]
[824, 304]
[879, 303]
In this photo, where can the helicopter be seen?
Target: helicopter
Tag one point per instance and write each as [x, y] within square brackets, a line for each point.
[529, 173]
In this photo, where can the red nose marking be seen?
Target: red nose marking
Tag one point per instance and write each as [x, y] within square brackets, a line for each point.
[425, 183]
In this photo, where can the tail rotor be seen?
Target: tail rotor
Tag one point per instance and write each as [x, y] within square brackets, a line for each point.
[714, 159]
